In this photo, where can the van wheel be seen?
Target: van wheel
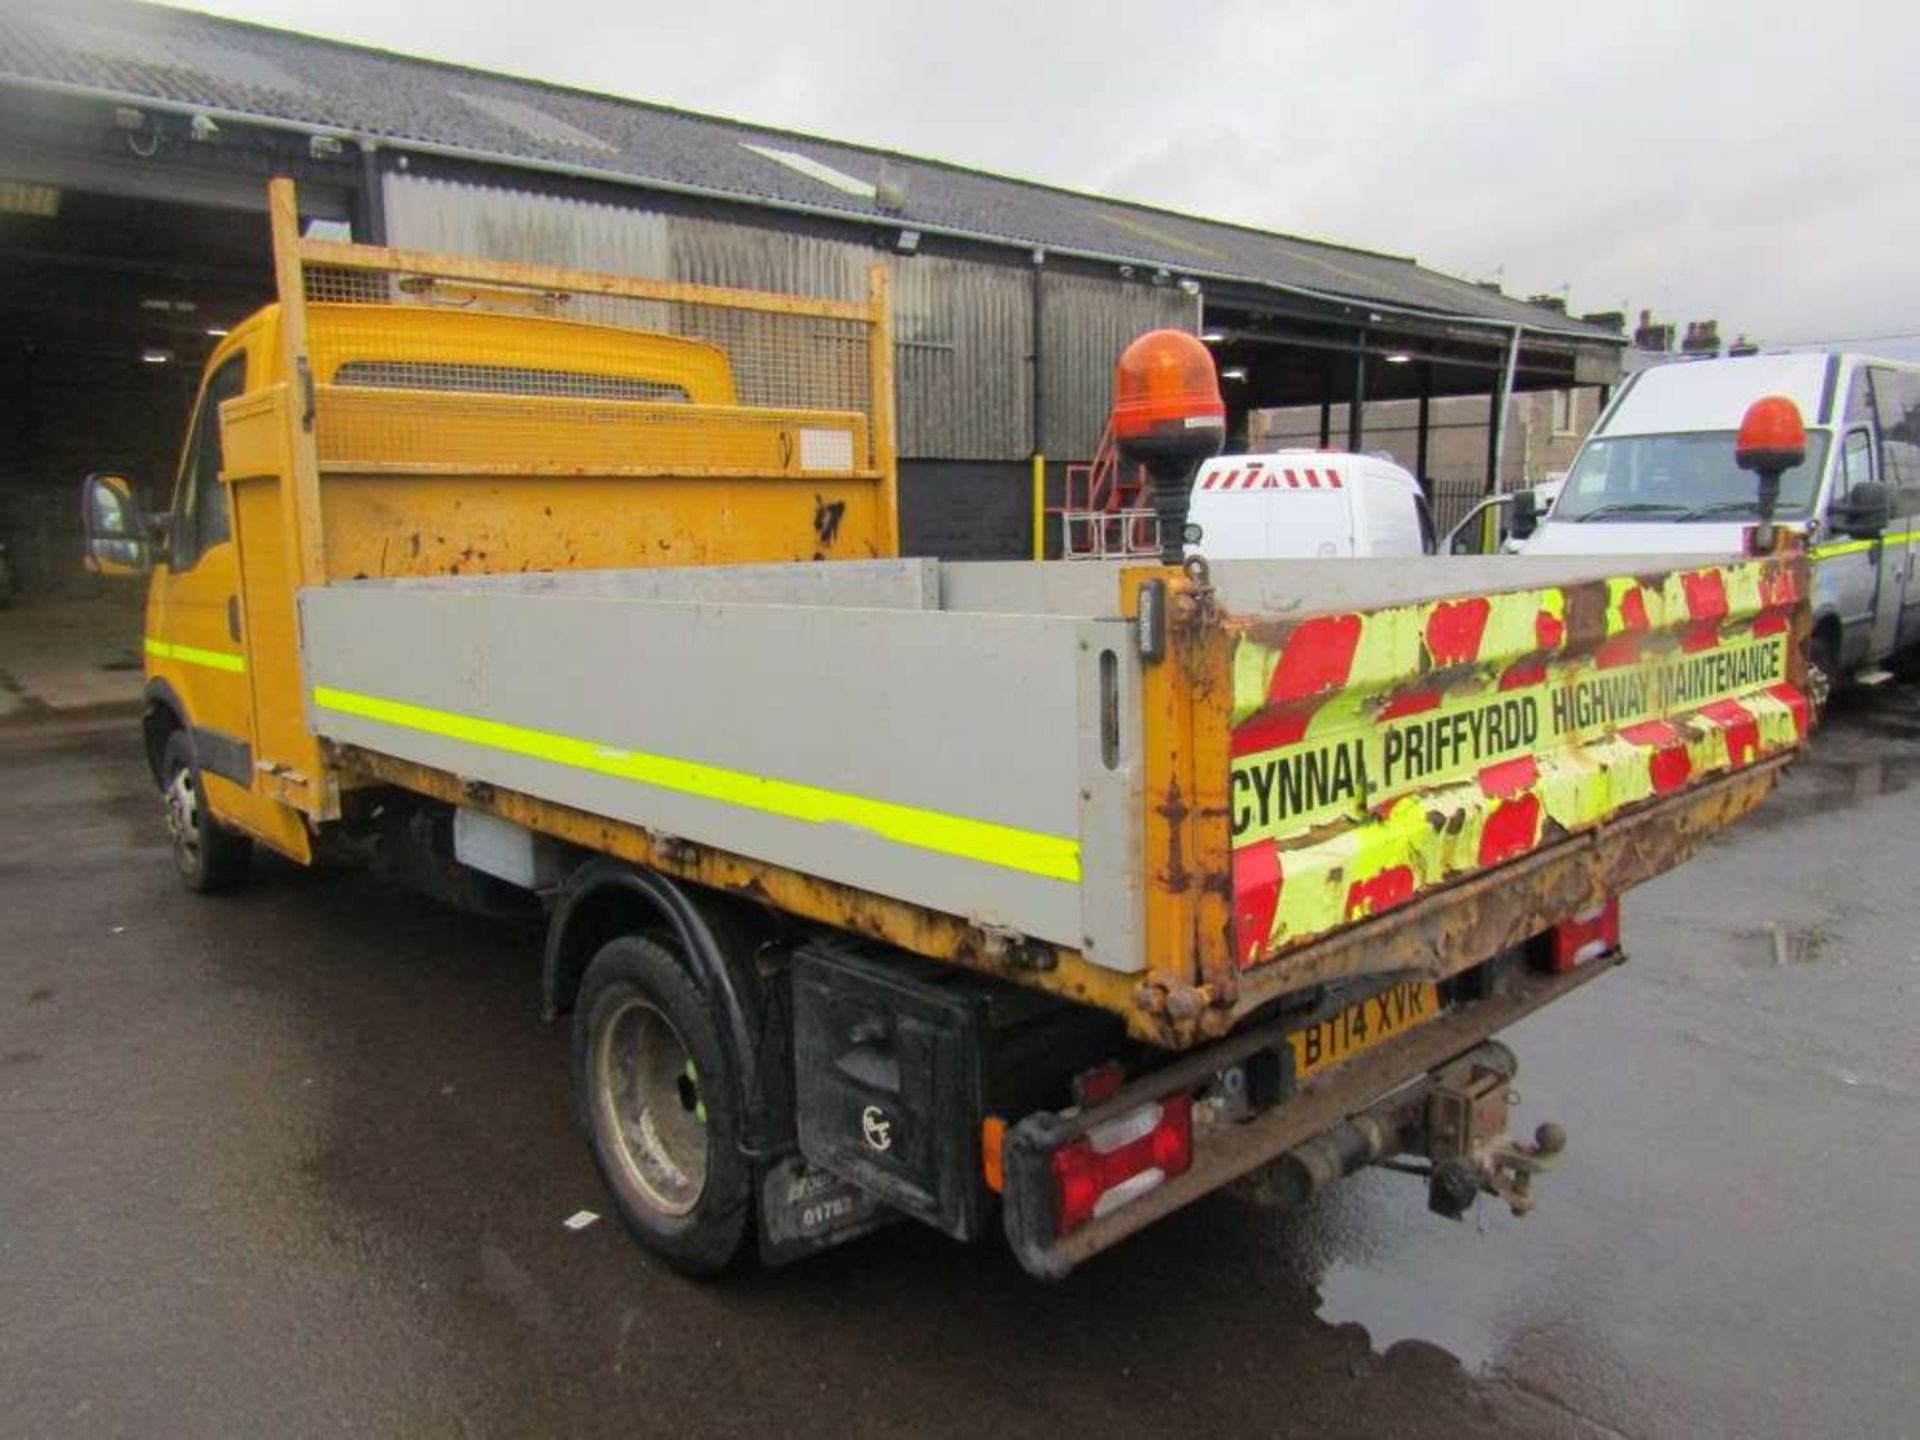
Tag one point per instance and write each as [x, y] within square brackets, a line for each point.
[656, 1096]
[211, 858]
[1823, 667]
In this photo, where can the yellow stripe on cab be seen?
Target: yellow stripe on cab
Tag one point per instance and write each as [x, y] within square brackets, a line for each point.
[191, 655]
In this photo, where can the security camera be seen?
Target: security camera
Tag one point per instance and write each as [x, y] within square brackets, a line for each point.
[202, 127]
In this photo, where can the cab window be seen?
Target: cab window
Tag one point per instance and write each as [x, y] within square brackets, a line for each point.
[1859, 409]
[1896, 403]
[200, 519]
[1856, 466]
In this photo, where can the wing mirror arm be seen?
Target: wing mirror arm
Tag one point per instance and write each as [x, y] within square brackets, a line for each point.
[1866, 512]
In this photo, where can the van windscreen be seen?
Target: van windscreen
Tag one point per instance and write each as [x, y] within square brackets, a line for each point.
[1666, 478]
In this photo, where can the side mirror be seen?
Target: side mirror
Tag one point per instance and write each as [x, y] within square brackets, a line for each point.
[1866, 511]
[1526, 514]
[115, 525]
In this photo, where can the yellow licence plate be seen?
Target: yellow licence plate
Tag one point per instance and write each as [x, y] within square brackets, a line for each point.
[1382, 1016]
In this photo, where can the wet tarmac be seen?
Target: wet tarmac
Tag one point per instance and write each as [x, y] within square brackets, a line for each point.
[298, 1162]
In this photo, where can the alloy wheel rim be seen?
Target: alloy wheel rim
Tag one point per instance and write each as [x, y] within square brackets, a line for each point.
[650, 1107]
[183, 818]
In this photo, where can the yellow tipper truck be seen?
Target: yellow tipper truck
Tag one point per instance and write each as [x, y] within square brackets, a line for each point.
[1040, 896]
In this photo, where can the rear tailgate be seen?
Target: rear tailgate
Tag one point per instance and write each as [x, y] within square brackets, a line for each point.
[1383, 760]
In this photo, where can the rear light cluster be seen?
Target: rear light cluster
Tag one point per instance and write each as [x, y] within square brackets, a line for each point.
[1122, 1160]
[1587, 936]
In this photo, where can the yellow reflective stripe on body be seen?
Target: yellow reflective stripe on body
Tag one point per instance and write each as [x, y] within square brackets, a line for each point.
[1050, 856]
[190, 655]
[1853, 547]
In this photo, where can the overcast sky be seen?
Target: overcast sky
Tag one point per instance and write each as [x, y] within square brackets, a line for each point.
[1754, 162]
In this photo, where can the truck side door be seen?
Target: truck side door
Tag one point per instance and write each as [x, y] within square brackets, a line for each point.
[1847, 574]
[193, 635]
[1896, 403]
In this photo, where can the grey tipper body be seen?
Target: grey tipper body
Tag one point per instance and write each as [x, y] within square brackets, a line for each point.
[967, 691]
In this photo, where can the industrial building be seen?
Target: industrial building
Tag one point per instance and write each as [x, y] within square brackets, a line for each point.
[135, 143]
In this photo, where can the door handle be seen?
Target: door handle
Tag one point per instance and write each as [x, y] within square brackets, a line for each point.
[233, 618]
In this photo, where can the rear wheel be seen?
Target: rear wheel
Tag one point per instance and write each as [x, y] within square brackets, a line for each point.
[209, 857]
[657, 1098]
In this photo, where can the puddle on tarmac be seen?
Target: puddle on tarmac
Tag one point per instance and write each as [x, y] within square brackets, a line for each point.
[1377, 1259]
[1771, 946]
[1395, 1307]
[1869, 748]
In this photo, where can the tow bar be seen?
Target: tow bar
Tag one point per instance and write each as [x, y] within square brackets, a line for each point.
[1455, 1119]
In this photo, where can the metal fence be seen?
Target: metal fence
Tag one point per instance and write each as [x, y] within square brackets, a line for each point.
[1452, 499]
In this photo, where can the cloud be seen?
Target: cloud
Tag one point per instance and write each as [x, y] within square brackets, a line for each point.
[1741, 160]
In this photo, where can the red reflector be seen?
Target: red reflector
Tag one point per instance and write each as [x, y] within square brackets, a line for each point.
[1587, 935]
[1098, 1085]
[1121, 1160]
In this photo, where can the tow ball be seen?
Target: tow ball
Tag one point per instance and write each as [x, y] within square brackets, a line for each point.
[1467, 1140]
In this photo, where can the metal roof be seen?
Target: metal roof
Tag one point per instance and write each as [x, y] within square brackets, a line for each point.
[179, 59]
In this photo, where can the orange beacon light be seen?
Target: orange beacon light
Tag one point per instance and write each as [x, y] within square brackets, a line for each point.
[1168, 416]
[1772, 439]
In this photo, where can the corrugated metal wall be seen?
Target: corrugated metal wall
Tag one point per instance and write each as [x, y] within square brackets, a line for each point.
[538, 229]
[1088, 322]
[962, 333]
[963, 329]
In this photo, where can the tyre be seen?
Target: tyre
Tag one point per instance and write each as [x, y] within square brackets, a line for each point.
[211, 858]
[657, 1099]
[1823, 673]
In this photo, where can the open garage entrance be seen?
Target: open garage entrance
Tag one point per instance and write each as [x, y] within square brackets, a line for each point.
[109, 306]
[1441, 396]
[1470, 406]
[130, 237]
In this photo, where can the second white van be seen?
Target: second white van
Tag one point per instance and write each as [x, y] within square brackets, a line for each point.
[1305, 504]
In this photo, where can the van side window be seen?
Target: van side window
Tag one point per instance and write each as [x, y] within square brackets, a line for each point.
[1428, 544]
[1896, 405]
[1859, 409]
[200, 519]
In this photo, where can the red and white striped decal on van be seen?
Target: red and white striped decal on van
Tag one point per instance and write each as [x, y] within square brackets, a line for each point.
[1257, 477]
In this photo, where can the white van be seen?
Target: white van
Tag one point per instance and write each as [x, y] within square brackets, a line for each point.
[1657, 476]
[1305, 504]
